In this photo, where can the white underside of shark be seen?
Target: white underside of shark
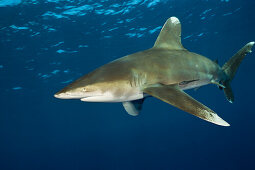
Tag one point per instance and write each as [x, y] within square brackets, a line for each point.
[134, 94]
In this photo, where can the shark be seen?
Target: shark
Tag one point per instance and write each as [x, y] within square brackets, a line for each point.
[164, 71]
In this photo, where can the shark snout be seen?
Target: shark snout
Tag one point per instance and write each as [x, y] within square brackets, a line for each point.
[68, 95]
[61, 95]
[74, 94]
[57, 95]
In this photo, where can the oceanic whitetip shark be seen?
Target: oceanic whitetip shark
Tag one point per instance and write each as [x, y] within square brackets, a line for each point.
[163, 71]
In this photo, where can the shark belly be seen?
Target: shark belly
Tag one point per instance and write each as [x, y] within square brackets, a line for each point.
[117, 95]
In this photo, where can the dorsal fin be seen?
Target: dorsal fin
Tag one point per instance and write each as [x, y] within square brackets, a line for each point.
[170, 35]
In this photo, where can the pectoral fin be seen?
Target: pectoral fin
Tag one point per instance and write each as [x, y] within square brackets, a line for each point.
[178, 98]
[133, 107]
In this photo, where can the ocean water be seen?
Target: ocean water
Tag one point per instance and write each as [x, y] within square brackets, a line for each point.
[44, 45]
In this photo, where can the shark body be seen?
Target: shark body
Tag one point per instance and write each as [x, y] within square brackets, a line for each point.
[163, 71]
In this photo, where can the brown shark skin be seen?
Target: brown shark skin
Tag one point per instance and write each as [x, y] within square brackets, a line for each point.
[163, 71]
[153, 66]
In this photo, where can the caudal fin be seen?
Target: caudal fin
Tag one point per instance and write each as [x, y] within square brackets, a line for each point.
[230, 68]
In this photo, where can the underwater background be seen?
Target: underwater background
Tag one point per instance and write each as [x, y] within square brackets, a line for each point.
[44, 45]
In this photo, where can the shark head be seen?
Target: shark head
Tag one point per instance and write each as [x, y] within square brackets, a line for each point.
[84, 87]
[102, 85]
[78, 91]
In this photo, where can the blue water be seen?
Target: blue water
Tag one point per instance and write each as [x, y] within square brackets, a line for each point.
[44, 45]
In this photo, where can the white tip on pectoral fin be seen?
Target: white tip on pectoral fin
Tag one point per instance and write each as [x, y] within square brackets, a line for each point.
[219, 121]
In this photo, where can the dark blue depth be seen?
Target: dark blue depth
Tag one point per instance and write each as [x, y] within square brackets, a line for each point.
[44, 45]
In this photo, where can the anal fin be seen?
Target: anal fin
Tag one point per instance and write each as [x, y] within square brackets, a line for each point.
[173, 95]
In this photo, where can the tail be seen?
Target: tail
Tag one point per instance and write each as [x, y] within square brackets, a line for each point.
[230, 68]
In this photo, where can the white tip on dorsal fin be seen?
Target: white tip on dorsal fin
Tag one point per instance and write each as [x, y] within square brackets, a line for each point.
[170, 35]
